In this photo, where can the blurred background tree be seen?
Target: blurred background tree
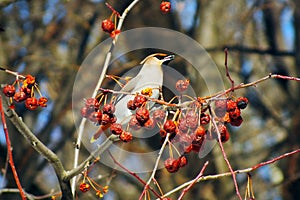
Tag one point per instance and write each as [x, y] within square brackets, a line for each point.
[49, 39]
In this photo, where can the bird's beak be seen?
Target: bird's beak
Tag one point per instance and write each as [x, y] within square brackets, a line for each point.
[167, 59]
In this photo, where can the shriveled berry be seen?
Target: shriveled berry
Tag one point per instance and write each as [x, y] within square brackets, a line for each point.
[30, 80]
[182, 125]
[125, 136]
[204, 118]
[142, 115]
[84, 112]
[139, 100]
[170, 126]
[220, 108]
[114, 33]
[192, 120]
[131, 105]
[165, 7]
[242, 102]
[116, 129]
[223, 133]
[162, 133]
[31, 103]
[43, 101]
[172, 165]
[109, 108]
[108, 25]
[233, 114]
[92, 103]
[20, 96]
[149, 124]
[26, 90]
[9, 90]
[159, 115]
[200, 131]
[134, 123]
[84, 187]
[182, 85]
[108, 119]
[95, 116]
[182, 161]
[236, 122]
[231, 105]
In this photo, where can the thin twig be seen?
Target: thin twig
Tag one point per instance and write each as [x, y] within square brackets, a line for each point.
[185, 190]
[10, 155]
[227, 70]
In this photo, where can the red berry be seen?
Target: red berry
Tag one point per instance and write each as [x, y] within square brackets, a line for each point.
[204, 118]
[114, 33]
[220, 108]
[125, 136]
[96, 116]
[84, 187]
[233, 114]
[139, 100]
[108, 119]
[9, 90]
[192, 120]
[30, 80]
[231, 105]
[142, 115]
[149, 124]
[159, 115]
[242, 102]
[172, 165]
[107, 26]
[131, 105]
[26, 90]
[236, 122]
[223, 132]
[165, 6]
[84, 112]
[162, 133]
[200, 131]
[182, 161]
[92, 103]
[109, 108]
[182, 85]
[134, 123]
[31, 103]
[20, 96]
[43, 101]
[170, 126]
[116, 129]
[182, 126]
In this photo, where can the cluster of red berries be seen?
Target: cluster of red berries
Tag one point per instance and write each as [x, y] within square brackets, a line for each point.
[165, 7]
[25, 92]
[108, 25]
[100, 191]
[92, 112]
[142, 117]
[105, 117]
[192, 127]
[172, 165]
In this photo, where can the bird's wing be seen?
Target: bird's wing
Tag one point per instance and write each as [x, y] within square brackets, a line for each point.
[129, 87]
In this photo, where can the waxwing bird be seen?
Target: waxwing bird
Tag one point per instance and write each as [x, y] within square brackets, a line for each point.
[149, 76]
